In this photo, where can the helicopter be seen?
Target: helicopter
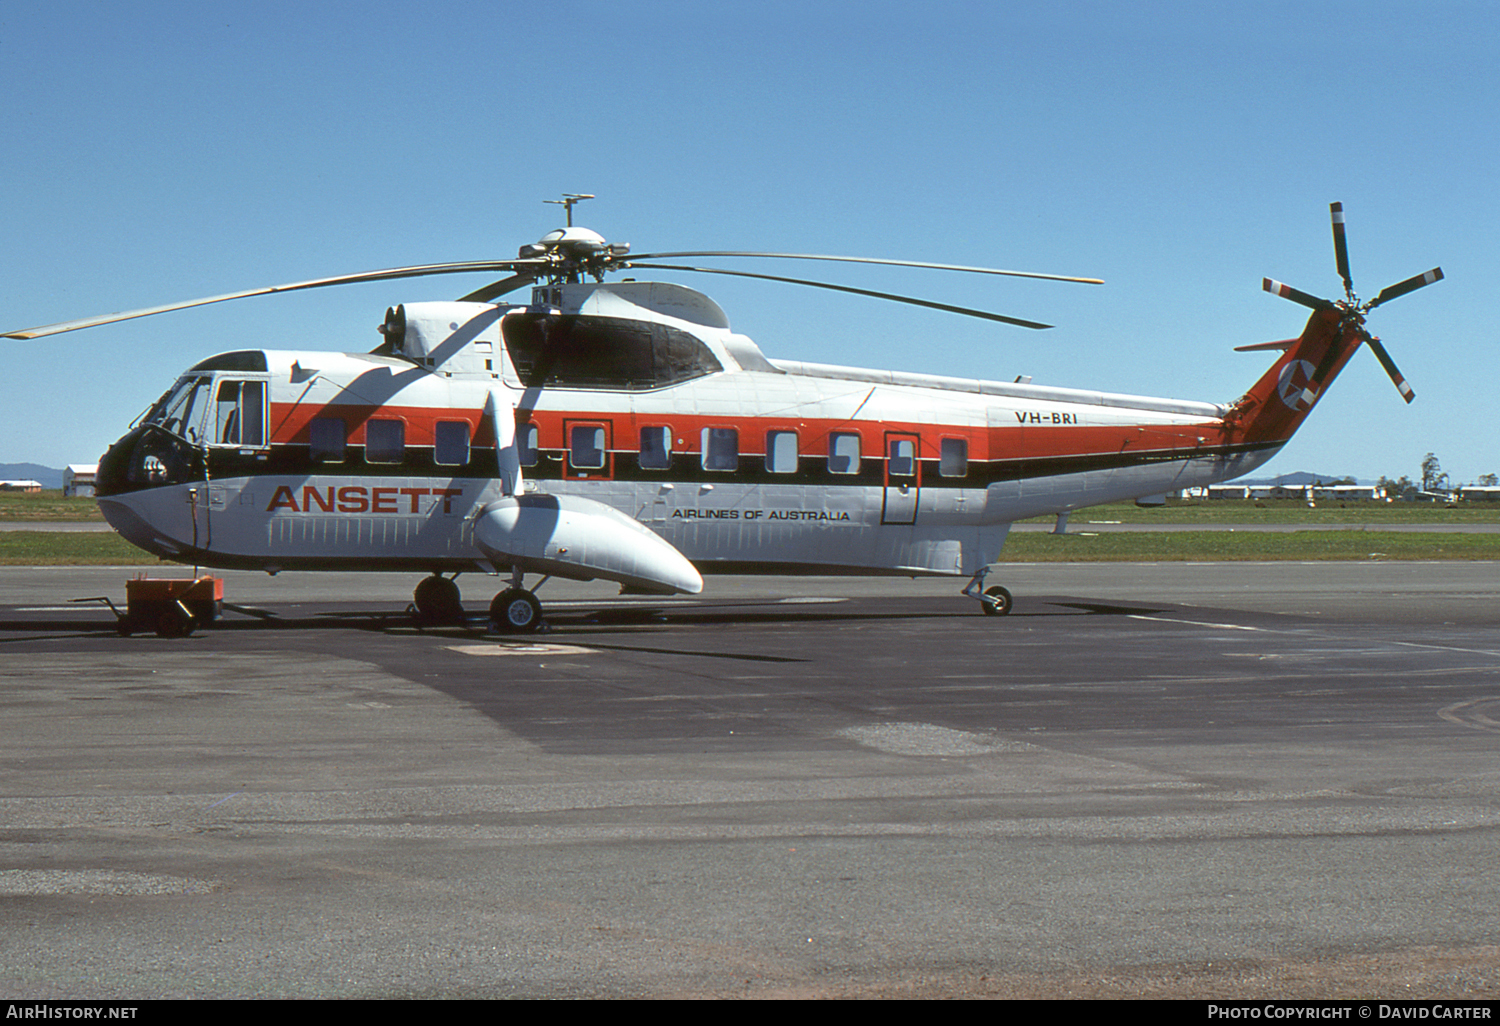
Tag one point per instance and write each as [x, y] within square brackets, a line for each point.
[622, 431]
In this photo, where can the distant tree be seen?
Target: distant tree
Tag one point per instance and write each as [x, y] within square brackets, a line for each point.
[1433, 478]
[1401, 488]
[1488, 480]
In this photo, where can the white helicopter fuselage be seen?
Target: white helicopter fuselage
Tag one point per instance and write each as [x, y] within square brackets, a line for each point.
[282, 460]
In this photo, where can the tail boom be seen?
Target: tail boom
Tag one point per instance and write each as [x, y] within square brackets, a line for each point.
[1280, 401]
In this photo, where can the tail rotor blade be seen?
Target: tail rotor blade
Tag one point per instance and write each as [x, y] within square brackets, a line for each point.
[1285, 291]
[1390, 367]
[1401, 288]
[1341, 246]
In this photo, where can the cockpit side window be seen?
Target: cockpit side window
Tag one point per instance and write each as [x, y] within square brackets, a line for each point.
[240, 414]
[180, 411]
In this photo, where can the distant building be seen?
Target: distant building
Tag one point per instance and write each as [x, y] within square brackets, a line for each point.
[1305, 492]
[78, 480]
[1366, 492]
[1479, 493]
[20, 486]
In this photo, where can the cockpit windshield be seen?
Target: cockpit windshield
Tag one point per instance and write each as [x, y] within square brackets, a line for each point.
[180, 411]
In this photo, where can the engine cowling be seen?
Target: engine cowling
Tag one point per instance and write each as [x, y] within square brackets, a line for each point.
[577, 538]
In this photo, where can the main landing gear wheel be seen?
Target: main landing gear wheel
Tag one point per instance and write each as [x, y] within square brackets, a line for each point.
[516, 611]
[996, 601]
[438, 601]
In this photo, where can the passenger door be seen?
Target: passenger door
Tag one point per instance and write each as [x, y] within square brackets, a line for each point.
[903, 477]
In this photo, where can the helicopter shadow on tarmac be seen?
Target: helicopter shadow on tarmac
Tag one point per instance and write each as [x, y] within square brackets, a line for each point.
[576, 623]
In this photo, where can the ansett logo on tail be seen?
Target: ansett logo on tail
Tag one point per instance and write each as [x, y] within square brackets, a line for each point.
[1296, 387]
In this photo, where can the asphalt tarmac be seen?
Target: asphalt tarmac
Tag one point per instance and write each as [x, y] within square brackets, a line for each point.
[1246, 780]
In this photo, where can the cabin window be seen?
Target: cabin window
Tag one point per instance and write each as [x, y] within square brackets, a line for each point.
[450, 443]
[902, 460]
[586, 447]
[953, 459]
[326, 437]
[240, 413]
[656, 448]
[526, 444]
[721, 449]
[781, 452]
[385, 441]
[843, 453]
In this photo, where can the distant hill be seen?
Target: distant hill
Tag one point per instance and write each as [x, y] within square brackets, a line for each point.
[31, 472]
[1301, 477]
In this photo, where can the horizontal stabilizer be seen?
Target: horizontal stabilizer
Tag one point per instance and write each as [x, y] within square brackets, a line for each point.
[1285, 343]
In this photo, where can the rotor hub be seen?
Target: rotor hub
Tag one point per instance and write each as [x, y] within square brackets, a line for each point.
[572, 251]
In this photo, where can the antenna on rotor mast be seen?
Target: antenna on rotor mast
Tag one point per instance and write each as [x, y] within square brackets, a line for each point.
[569, 200]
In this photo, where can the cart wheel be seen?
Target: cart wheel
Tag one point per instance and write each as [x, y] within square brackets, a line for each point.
[174, 623]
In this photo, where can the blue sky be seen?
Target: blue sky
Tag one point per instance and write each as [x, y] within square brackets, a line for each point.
[1181, 151]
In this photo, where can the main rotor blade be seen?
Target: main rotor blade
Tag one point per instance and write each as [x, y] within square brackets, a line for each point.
[1401, 288]
[345, 279]
[858, 292]
[1389, 365]
[864, 260]
[1341, 246]
[498, 288]
[1285, 291]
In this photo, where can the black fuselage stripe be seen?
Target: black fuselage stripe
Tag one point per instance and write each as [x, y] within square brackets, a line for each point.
[552, 465]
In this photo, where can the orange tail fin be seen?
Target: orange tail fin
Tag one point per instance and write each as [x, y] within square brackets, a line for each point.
[1277, 404]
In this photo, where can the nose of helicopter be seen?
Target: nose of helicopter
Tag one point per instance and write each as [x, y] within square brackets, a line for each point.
[137, 530]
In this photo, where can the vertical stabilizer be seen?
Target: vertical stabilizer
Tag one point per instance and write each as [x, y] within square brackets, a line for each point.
[1277, 404]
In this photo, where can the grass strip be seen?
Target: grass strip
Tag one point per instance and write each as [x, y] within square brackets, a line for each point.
[48, 504]
[69, 548]
[1283, 511]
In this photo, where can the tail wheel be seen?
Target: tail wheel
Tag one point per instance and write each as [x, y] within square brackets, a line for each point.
[516, 611]
[996, 601]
